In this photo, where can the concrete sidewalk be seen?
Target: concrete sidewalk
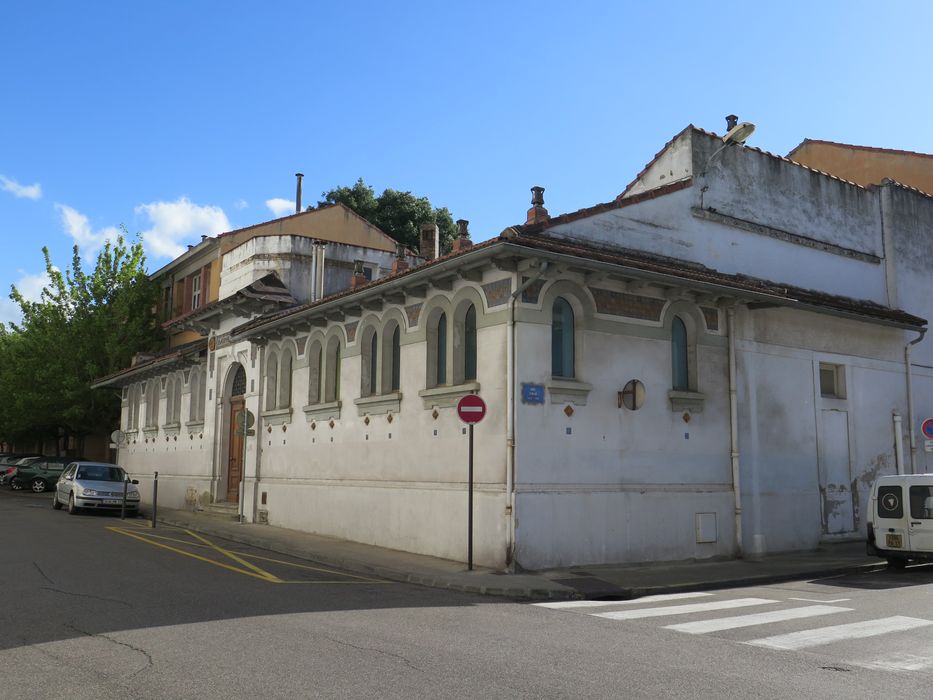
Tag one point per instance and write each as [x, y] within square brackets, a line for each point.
[622, 581]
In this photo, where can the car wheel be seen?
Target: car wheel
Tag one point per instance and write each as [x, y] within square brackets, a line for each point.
[38, 485]
[56, 505]
[15, 485]
[72, 508]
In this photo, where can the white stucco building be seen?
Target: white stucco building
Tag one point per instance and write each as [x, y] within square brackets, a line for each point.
[718, 362]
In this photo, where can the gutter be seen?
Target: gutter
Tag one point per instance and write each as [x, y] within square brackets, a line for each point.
[734, 432]
[510, 416]
[910, 401]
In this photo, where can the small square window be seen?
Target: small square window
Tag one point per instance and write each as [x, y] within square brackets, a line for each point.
[832, 381]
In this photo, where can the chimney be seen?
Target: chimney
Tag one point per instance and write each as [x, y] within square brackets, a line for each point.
[400, 264]
[463, 236]
[358, 279]
[537, 213]
[731, 121]
[430, 241]
[298, 193]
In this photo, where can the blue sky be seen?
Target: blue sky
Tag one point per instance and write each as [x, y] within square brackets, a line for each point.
[178, 119]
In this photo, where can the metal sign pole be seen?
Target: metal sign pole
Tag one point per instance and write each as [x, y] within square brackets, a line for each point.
[470, 507]
[155, 496]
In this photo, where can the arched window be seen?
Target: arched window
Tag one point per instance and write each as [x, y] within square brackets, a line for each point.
[680, 372]
[175, 388]
[315, 375]
[132, 418]
[196, 408]
[373, 361]
[284, 394]
[440, 377]
[272, 380]
[469, 344]
[152, 404]
[369, 362]
[562, 339]
[332, 371]
[238, 388]
[396, 359]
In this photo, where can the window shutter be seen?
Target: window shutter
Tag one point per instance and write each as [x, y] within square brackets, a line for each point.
[187, 295]
[205, 280]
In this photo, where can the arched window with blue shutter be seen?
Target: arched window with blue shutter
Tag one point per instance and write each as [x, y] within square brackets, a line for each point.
[562, 339]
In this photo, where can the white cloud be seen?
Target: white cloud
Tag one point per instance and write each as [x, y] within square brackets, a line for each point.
[240, 204]
[30, 286]
[79, 228]
[178, 221]
[18, 190]
[280, 207]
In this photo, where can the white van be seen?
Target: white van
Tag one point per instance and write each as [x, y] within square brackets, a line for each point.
[900, 522]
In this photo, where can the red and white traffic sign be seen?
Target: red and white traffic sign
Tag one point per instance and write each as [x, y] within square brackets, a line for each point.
[471, 408]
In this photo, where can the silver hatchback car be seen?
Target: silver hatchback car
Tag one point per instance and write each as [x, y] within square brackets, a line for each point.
[95, 485]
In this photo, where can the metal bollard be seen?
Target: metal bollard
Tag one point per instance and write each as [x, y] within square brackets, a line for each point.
[126, 482]
[155, 496]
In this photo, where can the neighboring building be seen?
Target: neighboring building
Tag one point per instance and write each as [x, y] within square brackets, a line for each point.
[716, 362]
[865, 165]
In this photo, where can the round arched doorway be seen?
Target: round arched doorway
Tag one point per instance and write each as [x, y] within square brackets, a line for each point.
[237, 431]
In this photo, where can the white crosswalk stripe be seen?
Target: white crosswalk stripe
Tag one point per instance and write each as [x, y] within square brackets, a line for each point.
[730, 623]
[838, 633]
[683, 609]
[570, 604]
[900, 662]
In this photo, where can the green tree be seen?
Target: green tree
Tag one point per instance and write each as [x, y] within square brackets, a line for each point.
[399, 214]
[84, 326]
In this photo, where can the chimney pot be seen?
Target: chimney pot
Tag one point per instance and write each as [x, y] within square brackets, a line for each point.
[537, 213]
[731, 121]
[430, 241]
[359, 278]
[400, 263]
[463, 240]
[298, 176]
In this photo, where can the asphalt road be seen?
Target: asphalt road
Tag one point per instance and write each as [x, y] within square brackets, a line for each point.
[94, 607]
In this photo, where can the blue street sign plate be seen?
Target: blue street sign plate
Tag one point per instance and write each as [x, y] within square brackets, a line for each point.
[532, 393]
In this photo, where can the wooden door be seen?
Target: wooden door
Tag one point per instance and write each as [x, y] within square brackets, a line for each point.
[235, 453]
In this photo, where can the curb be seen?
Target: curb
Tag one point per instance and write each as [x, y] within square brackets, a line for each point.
[358, 567]
[553, 592]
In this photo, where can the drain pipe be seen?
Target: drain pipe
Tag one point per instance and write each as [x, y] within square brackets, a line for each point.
[734, 432]
[898, 442]
[910, 401]
[510, 415]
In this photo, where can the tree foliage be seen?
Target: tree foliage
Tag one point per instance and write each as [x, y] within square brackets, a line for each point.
[84, 326]
[399, 214]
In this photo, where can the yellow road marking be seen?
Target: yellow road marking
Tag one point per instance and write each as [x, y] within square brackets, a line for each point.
[192, 555]
[239, 560]
[259, 573]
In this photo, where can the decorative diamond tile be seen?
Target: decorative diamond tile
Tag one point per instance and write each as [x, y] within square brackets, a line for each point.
[389, 417]
[686, 417]
[568, 410]
[284, 427]
[435, 414]
[366, 420]
[331, 424]
[313, 425]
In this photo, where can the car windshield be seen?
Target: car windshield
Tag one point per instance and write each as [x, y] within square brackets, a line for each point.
[100, 472]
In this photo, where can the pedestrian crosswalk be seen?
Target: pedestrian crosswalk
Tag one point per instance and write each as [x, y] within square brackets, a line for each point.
[814, 616]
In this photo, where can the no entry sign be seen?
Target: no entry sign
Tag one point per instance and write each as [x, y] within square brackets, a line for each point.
[471, 408]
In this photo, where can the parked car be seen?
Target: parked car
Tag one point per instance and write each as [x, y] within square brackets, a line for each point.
[8, 464]
[96, 485]
[39, 475]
